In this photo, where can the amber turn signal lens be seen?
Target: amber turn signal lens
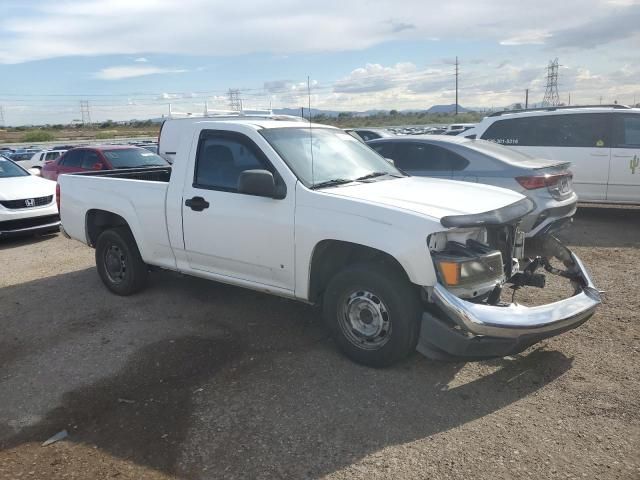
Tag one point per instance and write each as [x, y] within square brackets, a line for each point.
[450, 272]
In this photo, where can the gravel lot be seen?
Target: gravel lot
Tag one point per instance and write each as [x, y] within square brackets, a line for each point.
[193, 379]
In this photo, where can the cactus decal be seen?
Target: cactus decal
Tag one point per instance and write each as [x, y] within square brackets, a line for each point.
[633, 164]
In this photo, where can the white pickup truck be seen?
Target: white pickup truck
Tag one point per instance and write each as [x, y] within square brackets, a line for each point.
[310, 213]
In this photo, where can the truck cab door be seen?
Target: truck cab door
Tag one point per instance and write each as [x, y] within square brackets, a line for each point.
[624, 172]
[233, 235]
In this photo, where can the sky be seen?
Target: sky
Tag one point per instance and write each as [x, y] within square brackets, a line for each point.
[131, 59]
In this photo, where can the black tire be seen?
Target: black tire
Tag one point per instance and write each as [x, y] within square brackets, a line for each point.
[396, 308]
[117, 245]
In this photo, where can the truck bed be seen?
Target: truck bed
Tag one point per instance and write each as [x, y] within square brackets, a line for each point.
[149, 174]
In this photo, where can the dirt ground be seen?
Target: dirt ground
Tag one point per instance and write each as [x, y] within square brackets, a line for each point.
[198, 380]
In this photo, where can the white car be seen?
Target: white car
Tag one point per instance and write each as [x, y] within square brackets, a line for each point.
[27, 202]
[601, 142]
[310, 213]
[38, 159]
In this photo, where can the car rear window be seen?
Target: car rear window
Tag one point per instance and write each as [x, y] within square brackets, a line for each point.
[133, 157]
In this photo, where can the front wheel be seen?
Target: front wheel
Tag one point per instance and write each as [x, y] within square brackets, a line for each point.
[374, 314]
[119, 263]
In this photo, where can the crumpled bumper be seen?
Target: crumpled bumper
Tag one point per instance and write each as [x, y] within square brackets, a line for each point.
[471, 330]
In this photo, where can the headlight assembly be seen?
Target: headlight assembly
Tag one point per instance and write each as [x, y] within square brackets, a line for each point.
[457, 271]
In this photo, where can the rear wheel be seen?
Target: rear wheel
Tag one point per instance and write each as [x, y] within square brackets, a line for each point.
[374, 314]
[119, 263]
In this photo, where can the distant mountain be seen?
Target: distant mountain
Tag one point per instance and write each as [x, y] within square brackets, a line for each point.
[447, 109]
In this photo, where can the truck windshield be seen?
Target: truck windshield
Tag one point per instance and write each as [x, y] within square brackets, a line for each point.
[133, 157]
[337, 157]
[9, 169]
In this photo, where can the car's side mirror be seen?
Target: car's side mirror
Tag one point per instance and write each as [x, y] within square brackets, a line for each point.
[97, 166]
[260, 183]
[34, 171]
[390, 160]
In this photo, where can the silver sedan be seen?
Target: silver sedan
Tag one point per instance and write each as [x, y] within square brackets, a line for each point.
[547, 183]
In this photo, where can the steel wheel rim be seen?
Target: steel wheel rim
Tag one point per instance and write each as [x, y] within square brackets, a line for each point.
[115, 264]
[365, 320]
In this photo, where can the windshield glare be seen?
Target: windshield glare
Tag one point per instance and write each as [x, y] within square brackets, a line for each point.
[133, 157]
[336, 154]
[9, 169]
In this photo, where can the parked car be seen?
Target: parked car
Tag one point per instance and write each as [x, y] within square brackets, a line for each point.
[395, 261]
[601, 142]
[546, 182]
[458, 128]
[369, 133]
[106, 157]
[27, 202]
[39, 159]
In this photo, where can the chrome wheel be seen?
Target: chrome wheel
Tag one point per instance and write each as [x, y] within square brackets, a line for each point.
[365, 320]
[115, 264]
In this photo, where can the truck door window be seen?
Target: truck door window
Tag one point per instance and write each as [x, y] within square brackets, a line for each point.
[222, 158]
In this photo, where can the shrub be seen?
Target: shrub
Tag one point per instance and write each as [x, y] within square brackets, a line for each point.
[38, 136]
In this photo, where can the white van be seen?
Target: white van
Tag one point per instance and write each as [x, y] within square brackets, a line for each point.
[601, 142]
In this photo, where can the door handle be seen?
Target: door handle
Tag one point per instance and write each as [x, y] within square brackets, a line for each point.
[197, 204]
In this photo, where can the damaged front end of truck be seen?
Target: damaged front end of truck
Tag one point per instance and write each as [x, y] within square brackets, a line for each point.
[476, 259]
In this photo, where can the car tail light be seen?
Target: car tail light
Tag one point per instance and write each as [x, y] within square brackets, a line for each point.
[58, 196]
[541, 181]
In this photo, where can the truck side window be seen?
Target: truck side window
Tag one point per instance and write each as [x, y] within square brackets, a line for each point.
[222, 158]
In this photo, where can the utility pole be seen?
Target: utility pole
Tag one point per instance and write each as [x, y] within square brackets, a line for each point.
[235, 103]
[551, 96]
[1, 116]
[600, 99]
[526, 99]
[569, 99]
[457, 73]
[85, 112]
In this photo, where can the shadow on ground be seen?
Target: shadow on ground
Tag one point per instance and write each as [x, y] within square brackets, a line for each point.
[262, 394]
[593, 226]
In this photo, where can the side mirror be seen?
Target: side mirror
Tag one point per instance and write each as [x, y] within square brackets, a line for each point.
[390, 160]
[97, 166]
[258, 182]
[34, 171]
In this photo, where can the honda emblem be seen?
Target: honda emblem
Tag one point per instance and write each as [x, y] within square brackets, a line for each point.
[30, 202]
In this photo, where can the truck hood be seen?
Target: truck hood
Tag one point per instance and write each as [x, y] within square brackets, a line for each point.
[17, 188]
[436, 198]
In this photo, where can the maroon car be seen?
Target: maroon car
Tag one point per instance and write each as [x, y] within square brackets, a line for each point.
[107, 157]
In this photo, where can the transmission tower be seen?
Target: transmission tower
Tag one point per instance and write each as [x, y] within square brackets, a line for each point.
[457, 74]
[1, 116]
[235, 102]
[85, 112]
[551, 96]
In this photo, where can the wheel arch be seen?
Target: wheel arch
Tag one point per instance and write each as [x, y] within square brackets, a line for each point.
[97, 221]
[330, 256]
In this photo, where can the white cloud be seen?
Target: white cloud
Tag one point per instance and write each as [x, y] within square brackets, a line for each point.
[127, 71]
[141, 60]
[219, 27]
[528, 37]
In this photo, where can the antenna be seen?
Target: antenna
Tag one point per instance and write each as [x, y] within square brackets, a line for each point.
[310, 129]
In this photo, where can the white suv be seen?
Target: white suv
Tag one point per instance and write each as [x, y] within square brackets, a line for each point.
[601, 142]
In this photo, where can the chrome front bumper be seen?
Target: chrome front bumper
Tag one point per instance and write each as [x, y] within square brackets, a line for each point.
[465, 329]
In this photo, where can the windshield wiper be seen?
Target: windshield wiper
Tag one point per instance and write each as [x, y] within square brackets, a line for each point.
[376, 174]
[331, 183]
